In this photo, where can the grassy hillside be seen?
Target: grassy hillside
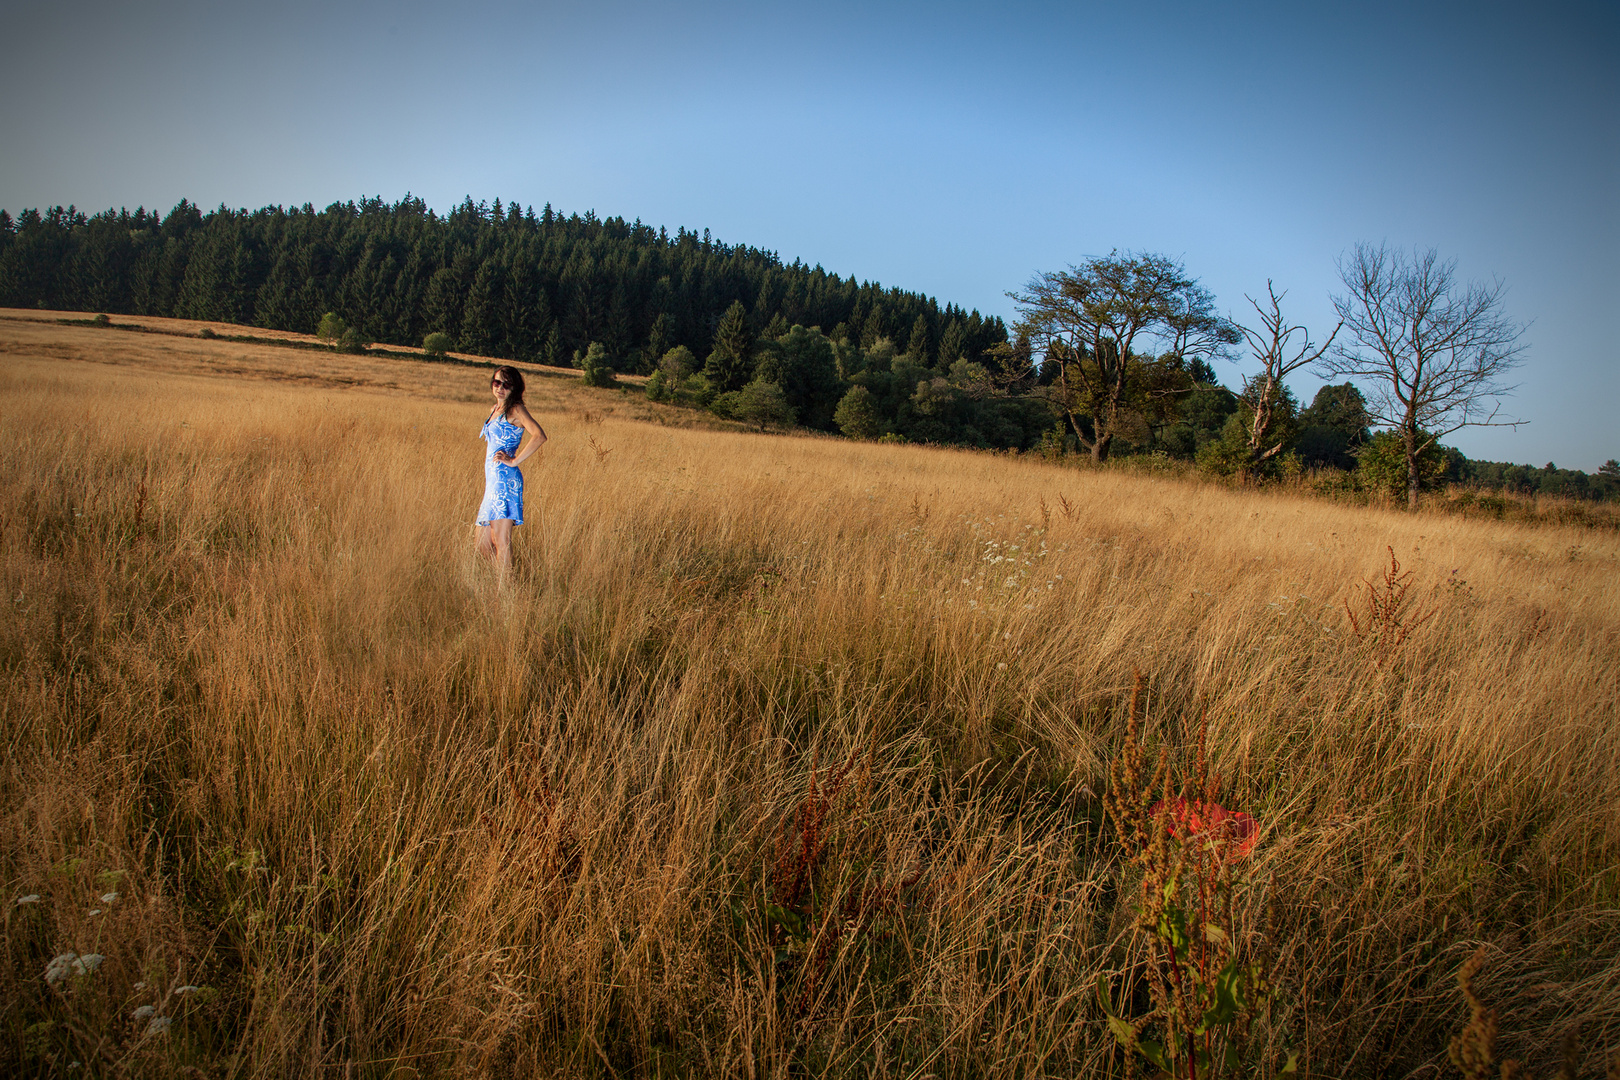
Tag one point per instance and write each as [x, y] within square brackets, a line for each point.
[777, 756]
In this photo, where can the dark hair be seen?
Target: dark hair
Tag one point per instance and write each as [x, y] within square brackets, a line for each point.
[514, 385]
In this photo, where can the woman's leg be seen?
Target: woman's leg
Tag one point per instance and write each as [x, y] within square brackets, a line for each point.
[500, 535]
[486, 544]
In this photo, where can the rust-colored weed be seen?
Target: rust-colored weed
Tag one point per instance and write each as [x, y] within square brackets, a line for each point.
[1388, 617]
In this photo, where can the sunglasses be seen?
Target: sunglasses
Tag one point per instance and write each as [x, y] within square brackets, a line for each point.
[499, 385]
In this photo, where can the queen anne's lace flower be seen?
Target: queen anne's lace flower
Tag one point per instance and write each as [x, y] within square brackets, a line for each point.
[60, 967]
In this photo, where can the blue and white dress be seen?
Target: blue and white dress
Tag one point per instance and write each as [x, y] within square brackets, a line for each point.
[503, 484]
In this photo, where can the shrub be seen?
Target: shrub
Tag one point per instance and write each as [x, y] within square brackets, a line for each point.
[677, 364]
[352, 341]
[856, 416]
[331, 328]
[598, 366]
[102, 320]
[763, 403]
[698, 387]
[207, 333]
[725, 405]
[657, 388]
[437, 343]
[1055, 444]
[1382, 463]
[1228, 454]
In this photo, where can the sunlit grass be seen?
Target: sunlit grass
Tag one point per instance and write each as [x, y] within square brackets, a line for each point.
[359, 805]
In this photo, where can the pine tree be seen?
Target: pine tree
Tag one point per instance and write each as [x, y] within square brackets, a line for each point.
[873, 328]
[658, 338]
[730, 364]
[480, 323]
[552, 351]
[917, 346]
[952, 343]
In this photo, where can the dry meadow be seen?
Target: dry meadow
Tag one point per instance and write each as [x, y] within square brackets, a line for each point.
[776, 756]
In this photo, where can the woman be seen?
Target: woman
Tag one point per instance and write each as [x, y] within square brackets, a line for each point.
[503, 431]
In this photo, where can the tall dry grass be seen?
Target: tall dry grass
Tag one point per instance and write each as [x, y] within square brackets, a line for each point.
[777, 756]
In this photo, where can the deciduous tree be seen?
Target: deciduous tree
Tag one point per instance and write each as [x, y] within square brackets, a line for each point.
[1432, 349]
[1094, 322]
[1280, 354]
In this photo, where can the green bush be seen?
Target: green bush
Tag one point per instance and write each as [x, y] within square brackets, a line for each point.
[657, 388]
[598, 366]
[437, 343]
[1382, 463]
[856, 416]
[725, 405]
[677, 364]
[699, 389]
[762, 402]
[102, 320]
[1228, 454]
[352, 341]
[331, 328]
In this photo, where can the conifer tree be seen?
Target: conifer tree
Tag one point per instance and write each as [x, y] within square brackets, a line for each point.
[872, 328]
[731, 362]
[952, 343]
[917, 345]
[479, 326]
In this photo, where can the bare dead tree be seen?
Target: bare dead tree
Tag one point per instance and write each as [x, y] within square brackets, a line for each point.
[1433, 349]
[1274, 346]
[1093, 318]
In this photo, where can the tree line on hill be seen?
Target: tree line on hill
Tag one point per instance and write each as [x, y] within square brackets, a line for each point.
[499, 280]
[1112, 359]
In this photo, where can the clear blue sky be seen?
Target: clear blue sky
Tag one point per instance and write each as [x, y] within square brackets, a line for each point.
[950, 148]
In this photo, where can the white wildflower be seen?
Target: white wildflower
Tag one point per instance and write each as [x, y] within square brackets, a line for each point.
[157, 1025]
[143, 1013]
[188, 989]
[93, 912]
[109, 898]
[31, 898]
[60, 967]
[87, 963]
[1001, 666]
[140, 986]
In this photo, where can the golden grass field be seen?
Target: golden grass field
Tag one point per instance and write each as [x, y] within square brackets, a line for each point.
[391, 819]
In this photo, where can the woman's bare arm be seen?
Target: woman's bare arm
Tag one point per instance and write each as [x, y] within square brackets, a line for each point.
[534, 436]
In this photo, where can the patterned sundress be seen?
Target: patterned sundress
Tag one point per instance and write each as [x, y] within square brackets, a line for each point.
[503, 484]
